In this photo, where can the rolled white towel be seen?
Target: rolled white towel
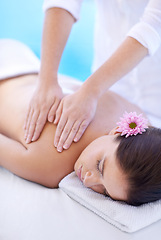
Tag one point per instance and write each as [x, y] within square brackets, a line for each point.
[125, 217]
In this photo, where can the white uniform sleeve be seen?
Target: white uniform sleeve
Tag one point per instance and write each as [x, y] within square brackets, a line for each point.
[72, 6]
[148, 30]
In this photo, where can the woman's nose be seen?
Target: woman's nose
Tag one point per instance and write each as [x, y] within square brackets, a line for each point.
[90, 179]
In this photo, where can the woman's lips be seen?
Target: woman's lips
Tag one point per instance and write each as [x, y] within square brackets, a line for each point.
[79, 173]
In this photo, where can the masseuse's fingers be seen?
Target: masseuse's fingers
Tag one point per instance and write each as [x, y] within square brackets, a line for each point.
[52, 111]
[81, 130]
[31, 125]
[74, 114]
[39, 125]
[59, 130]
[65, 133]
[73, 133]
[27, 118]
[42, 107]
[69, 131]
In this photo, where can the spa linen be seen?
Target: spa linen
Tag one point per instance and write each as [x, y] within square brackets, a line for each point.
[125, 217]
[116, 19]
[18, 60]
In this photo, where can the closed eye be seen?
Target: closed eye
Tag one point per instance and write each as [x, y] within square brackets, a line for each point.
[101, 171]
[98, 166]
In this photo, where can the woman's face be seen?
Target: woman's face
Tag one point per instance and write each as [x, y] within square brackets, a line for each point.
[97, 168]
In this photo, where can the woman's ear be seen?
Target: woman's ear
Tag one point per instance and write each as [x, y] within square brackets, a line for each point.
[114, 131]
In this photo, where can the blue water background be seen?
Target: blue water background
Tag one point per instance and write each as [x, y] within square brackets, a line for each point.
[23, 20]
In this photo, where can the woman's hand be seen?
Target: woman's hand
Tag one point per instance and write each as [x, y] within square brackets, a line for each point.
[42, 107]
[73, 116]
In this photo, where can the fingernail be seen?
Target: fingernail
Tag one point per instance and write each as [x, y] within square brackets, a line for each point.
[59, 149]
[56, 144]
[33, 139]
[50, 119]
[75, 139]
[65, 146]
[27, 141]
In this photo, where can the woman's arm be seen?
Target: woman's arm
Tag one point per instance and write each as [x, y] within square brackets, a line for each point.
[39, 161]
[57, 26]
[125, 58]
[73, 120]
[144, 38]
[11, 154]
[31, 162]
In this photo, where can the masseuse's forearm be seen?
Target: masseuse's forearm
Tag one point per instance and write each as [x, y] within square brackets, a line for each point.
[57, 26]
[126, 57]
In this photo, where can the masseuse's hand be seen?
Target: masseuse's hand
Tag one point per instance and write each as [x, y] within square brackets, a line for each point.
[73, 115]
[42, 107]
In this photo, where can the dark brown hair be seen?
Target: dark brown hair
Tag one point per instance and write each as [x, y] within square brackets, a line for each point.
[140, 159]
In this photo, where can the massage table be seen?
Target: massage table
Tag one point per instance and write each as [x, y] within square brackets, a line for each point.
[29, 211]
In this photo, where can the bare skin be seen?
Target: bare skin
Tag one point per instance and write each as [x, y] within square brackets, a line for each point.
[57, 26]
[40, 161]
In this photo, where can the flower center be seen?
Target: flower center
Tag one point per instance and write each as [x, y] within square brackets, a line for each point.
[132, 125]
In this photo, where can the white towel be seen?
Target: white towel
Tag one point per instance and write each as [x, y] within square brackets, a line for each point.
[125, 217]
[16, 59]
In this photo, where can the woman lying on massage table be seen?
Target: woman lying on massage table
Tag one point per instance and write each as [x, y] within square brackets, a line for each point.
[125, 168]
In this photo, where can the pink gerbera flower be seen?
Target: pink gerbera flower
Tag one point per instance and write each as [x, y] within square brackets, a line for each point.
[132, 124]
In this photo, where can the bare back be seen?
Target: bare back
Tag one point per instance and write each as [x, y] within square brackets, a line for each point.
[15, 95]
